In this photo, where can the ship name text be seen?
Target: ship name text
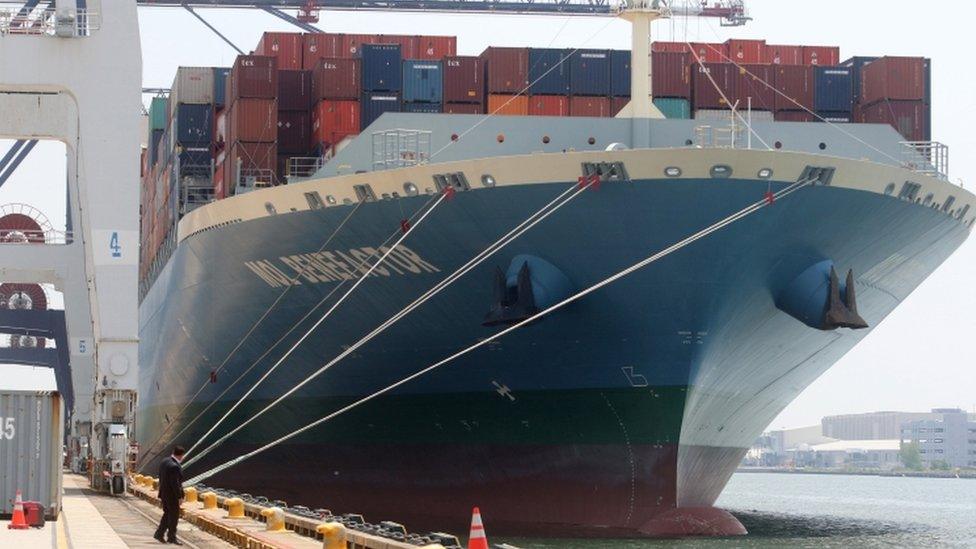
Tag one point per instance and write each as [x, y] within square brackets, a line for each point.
[338, 265]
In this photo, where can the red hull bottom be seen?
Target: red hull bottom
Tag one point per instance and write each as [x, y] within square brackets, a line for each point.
[527, 490]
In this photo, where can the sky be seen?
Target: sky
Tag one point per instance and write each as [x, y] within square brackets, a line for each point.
[920, 357]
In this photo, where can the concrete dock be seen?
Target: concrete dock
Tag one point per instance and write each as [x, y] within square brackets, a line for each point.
[92, 520]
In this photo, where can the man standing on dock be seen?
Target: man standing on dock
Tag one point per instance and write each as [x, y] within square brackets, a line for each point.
[170, 493]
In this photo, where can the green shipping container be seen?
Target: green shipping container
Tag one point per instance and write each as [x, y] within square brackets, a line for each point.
[673, 108]
[158, 111]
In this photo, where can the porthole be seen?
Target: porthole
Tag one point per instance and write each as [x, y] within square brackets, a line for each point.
[823, 146]
[501, 138]
[672, 171]
[410, 189]
[545, 139]
[454, 137]
[890, 189]
[270, 207]
[778, 144]
[591, 141]
[487, 180]
[721, 171]
[928, 199]
[330, 199]
[765, 173]
[689, 142]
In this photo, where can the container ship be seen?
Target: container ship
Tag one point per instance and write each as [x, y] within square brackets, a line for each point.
[272, 187]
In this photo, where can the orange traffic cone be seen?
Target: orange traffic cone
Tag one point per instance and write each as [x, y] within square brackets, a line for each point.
[477, 539]
[19, 521]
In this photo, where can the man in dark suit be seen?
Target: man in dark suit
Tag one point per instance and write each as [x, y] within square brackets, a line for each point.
[170, 493]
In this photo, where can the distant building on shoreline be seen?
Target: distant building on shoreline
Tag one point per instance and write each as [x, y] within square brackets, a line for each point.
[949, 441]
[943, 438]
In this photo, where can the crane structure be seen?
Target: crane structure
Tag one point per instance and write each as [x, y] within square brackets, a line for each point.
[69, 65]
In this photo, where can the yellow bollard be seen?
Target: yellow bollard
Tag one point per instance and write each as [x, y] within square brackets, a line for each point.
[235, 507]
[209, 500]
[155, 484]
[433, 546]
[276, 519]
[333, 535]
[190, 494]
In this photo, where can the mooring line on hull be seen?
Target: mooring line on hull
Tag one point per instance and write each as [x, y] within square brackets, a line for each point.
[407, 232]
[247, 335]
[537, 217]
[741, 214]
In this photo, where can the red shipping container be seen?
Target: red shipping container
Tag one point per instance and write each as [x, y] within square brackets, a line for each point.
[549, 105]
[821, 55]
[506, 69]
[334, 120]
[464, 108]
[294, 90]
[253, 120]
[745, 51]
[755, 82]
[437, 47]
[895, 78]
[674, 47]
[352, 42]
[287, 47]
[783, 55]
[794, 116]
[464, 80]
[617, 104]
[253, 76]
[709, 53]
[256, 160]
[909, 118]
[294, 132]
[671, 74]
[589, 106]
[336, 78]
[409, 45]
[704, 92]
[317, 45]
[796, 83]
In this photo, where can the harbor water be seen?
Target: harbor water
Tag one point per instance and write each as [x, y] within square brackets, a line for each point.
[800, 510]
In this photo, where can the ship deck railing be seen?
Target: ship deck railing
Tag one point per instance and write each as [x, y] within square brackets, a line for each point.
[49, 21]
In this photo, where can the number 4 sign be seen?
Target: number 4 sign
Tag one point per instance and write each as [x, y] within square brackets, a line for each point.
[114, 246]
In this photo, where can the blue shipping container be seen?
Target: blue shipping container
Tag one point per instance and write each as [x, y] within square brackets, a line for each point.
[375, 104]
[833, 89]
[856, 64]
[589, 73]
[620, 74]
[423, 81]
[548, 72]
[421, 107]
[220, 85]
[381, 67]
[194, 124]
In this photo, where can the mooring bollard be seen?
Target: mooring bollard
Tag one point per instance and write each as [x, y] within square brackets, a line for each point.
[209, 500]
[333, 535]
[190, 494]
[276, 519]
[235, 507]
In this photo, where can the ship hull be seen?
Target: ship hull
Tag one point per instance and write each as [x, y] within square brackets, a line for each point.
[599, 419]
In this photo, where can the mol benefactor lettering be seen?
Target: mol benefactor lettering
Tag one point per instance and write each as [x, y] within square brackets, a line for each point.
[338, 265]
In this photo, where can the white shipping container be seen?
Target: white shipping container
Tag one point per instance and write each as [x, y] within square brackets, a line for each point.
[192, 85]
[31, 434]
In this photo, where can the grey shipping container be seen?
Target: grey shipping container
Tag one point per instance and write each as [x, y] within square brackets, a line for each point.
[31, 430]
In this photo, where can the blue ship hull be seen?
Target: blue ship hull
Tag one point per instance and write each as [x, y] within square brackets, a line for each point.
[602, 417]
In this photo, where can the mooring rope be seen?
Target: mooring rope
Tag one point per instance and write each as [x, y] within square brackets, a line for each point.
[534, 219]
[741, 214]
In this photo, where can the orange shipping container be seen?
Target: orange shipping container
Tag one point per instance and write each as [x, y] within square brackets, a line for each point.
[775, 54]
[517, 105]
[821, 55]
[590, 106]
[287, 47]
[334, 120]
[549, 105]
[745, 51]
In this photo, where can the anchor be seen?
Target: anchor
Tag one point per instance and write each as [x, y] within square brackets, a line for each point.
[511, 305]
[842, 314]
